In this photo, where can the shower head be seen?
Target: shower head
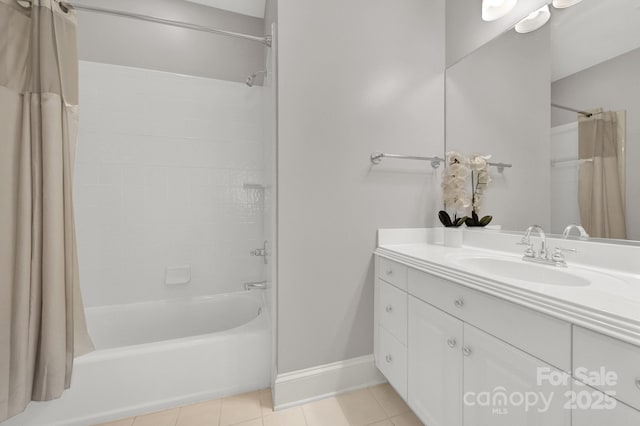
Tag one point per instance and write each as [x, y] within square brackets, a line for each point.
[249, 81]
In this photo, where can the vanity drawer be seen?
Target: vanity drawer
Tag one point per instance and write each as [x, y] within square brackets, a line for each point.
[607, 411]
[540, 335]
[392, 311]
[392, 272]
[391, 360]
[592, 351]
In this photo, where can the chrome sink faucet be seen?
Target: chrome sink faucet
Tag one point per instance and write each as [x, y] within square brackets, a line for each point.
[542, 256]
[526, 240]
[580, 229]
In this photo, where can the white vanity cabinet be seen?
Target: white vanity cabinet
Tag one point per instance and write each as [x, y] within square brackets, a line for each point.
[446, 350]
[449, 360]
[608, 413]
[390, 317]
[510, 377]
[540, 335]
[474, 336]
[618, 363]
[435, 365]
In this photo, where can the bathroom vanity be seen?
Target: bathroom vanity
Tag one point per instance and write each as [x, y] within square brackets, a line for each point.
[476, 336]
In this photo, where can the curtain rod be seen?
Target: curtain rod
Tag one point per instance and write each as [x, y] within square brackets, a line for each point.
[585, 113]
[266, 40]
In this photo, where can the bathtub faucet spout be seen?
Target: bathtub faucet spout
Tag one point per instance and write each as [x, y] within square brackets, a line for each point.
[258, 285]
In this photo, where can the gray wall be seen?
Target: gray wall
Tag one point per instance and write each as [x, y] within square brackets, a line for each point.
[354, 77]
[271, 173]
[466, 31]
[612, 85]
[490, 98]
[123, 41]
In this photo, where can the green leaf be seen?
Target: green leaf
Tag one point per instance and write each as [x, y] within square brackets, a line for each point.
[445, 219]
[469, 222]
[485, 220]
[475, 216]
[460, 221]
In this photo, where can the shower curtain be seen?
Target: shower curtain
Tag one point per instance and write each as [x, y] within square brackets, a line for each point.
[42, 324]
[601, 174]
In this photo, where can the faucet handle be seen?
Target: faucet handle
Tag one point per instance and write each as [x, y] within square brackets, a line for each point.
[524, 241]
[529, 252]
[558, 256]
[562, 249]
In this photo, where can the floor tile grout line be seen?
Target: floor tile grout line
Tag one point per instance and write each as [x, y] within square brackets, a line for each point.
[178, 416]
[383, 409]
[304, 416]
[368, 389]
[265, 413]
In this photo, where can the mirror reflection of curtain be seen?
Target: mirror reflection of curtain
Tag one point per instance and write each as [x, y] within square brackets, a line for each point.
[601, 175]
[42, 325]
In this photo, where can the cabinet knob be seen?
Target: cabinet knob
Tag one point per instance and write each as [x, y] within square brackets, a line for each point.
[388, 358]
[389, 271]
[389, 308]
[466, 351]
[452, 343]
[638, 383]
[459, 303]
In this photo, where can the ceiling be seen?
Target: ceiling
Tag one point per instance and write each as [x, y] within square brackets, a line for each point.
[592, 32]
[243, 7]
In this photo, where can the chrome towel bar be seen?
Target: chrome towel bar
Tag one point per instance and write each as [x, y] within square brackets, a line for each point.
[377, 157]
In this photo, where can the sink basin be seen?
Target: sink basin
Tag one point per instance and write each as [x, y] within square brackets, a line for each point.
[522, 271]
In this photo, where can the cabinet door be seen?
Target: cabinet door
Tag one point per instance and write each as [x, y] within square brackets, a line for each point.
[435, 365]
[594, 408]
[593, 352]
[391, 360]
[502, 385]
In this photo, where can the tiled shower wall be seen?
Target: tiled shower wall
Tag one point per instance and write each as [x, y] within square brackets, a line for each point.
[564, 177]
[162, 160]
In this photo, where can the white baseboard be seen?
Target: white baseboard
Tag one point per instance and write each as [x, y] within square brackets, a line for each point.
[310, 384]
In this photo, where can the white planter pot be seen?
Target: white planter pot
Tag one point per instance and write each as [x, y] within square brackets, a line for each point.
[453, 237]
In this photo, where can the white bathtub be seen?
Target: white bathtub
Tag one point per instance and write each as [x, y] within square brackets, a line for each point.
[156, 355]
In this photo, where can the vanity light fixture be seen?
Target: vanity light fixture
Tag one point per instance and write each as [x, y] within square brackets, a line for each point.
[561, 4]
[496, 9]
[534, 21]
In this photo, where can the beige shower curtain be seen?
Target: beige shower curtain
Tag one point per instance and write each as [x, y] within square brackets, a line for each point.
[602, 174]
[42, 324]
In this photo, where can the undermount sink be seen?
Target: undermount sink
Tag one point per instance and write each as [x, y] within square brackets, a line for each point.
[522, 271]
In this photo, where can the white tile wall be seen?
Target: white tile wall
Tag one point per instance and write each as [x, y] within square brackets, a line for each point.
[161, 163]
[564, 177]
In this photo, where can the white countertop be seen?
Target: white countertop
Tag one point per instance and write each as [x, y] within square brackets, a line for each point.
[609, 305]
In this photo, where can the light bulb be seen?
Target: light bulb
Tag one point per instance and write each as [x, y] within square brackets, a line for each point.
[534, 21]
[496, 9]
[561, 4]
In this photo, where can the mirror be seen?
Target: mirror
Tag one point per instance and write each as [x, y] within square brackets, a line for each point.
[498, 104]
[567, 167]
[595, 55]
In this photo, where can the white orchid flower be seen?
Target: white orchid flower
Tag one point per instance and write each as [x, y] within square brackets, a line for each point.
[458, 170]
[454, 157]
[479, 162]
[483, 177]
[462, 203]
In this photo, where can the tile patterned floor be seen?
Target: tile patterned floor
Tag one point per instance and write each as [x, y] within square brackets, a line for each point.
[375, 406]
